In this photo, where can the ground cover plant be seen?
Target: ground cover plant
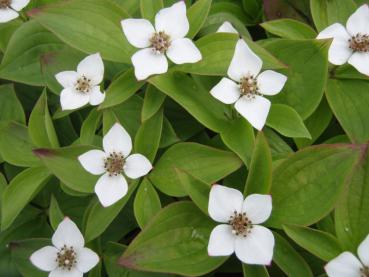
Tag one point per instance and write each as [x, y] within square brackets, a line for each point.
[184, 138]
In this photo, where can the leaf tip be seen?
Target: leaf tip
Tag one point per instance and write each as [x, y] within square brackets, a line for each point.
[127, 262]
[42, 152]
[34, 12]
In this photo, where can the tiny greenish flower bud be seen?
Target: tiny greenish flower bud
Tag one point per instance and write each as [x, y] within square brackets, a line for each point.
[359, 43]
[160, 42]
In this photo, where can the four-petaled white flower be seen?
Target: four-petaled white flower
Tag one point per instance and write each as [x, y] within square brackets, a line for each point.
[248, 86]
[168, 37]
[9, 9]
[82, 87]
[347, 265]
[112, 163]
[67, 256]
[240, 233]
[227, 27]
[350, 44]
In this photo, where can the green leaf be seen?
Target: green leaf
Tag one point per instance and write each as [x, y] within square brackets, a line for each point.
[175, 241]
[40, 125]
[259, 179]
[21, 61]
[349, 102]
[88, 25]
[288, 259]
[64, 164]
[153, 100]
[148, 136]
[6, 32]
[89, 127]
[98, 218]
[205, 163]
[20, 192]
[278, 147]
[149, 8]
[254, 271]
[307, 72]
[326, 13]
[286, 121]
[10, 107]
[321, 244]
[197, 15]
[307, 185]
[55, 213]
[15, 145]
[253, 9]
[289, 28]
[146, 204]
[121, 89]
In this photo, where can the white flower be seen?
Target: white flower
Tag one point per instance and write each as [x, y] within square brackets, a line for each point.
[82, 87]
[67, 256]
[112, 163]
[248, 86]
[240, 233]
[350, 44]
[168, 37]
[9, 9]
[347, 265]
[227, 27]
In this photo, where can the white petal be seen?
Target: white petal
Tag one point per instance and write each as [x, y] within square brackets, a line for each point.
[223, 202]
[257, 207]
[254, 110]
[110, 189]
[19, 4]
[93, 161]
[147, 63]
[335, 30]
[271, 82]
[117, 140]
[67, 79]
[227, 27]
[358, 22]
[44, 258]
[7, 15]
[173, 21]
[86, 259]
[74, 272]
[221, 241]
[138, 32]
[68, 234]
[96, 96]
[257, 247]
[244, 62]
[93, 68]
[226, 91]
[183, 50]
[361, 62]
[363, 251]
[137, 166]
[71, 99]
[344, 265]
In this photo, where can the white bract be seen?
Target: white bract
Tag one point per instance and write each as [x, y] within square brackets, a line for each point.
[247, 87]
[350, 44]
[82, 86]
[227, 27]
[167, 38]
[241, 232]
[9, 9]
[347, 265]
[67, 257]
[112, 163]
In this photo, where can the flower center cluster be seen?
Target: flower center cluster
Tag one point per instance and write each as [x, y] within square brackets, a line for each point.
[66, 258]
[4, 4]
[241, 225]
[364, 271]
[359, 43]
[83, 85]
[160, 42]
[114, 164]
[249, 86]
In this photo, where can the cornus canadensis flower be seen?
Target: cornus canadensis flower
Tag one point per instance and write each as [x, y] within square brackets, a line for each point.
[9, 9]
[82, 87]
[227, 27]
[240, 232]
[347, 265]
[112, 163]
[350, 44]
[67, 256]
[167, 38]
[247, 87]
